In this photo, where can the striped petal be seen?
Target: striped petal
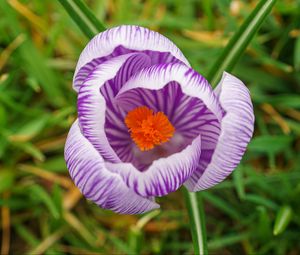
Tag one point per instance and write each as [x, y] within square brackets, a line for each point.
[89, 173]
[153, 86]
[236, 131]
[165, 175]
[123, 40]
[191, 84]
[183, 95]
[101, 119]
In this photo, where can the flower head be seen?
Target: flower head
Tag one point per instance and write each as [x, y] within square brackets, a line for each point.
[148, 123]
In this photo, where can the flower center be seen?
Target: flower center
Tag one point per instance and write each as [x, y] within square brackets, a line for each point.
[148, 129]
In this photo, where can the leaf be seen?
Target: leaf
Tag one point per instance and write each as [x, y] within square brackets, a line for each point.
[30, 130]
[283, 219]
[207, 7]
[38, 192]
[261, 201]
[6, 180]
[221, 205]
[33, 62]
[57, 198]
[270, 144]
[297, 55]
[26, 235]
[3, 116]
[263, 228]
[227, 240]
[136, 235]
[239, 181]
[30, 149]
[83, 17]
[282, 100]
[239, 42]
[55, 164]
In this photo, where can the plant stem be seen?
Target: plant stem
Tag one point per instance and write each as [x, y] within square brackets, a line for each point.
[197, 221]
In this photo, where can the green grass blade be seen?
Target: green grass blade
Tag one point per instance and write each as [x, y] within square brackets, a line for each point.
[6, 179]
[197, 221]
[227, 240]
[83, 17]
[297, 55]
[221, 205]
[42, 195]
[283, 218]
[240, 41]
[238, 181]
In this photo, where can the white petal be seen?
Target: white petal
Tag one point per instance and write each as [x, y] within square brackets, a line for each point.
[106, 189]
[165, 175]
[236, 131]
[158, 76]
[123, 40]
[94, 107]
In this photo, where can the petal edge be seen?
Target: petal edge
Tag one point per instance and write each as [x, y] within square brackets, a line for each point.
[236, 131]
[96, 183]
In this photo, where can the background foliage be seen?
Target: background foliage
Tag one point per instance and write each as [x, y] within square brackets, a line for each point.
[256, 211]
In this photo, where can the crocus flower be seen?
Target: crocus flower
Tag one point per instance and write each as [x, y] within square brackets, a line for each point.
[148, 123]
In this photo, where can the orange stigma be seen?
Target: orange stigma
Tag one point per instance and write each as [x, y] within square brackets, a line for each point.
[148, 129]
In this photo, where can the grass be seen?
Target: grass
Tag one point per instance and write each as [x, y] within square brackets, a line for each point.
[43, 213]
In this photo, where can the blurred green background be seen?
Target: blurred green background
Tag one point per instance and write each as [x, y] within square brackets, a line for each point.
[255, 211]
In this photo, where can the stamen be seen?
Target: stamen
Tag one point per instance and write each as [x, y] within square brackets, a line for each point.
[148, 129]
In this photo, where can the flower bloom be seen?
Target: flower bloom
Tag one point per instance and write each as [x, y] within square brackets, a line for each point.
[148, 123]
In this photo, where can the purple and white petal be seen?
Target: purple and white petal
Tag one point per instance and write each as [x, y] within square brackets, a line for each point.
[236, 131]
[158, 76]
[123, 40]
[88, 171]
[99, 117]
[165, 174]
[189, 116]
[183, 95]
